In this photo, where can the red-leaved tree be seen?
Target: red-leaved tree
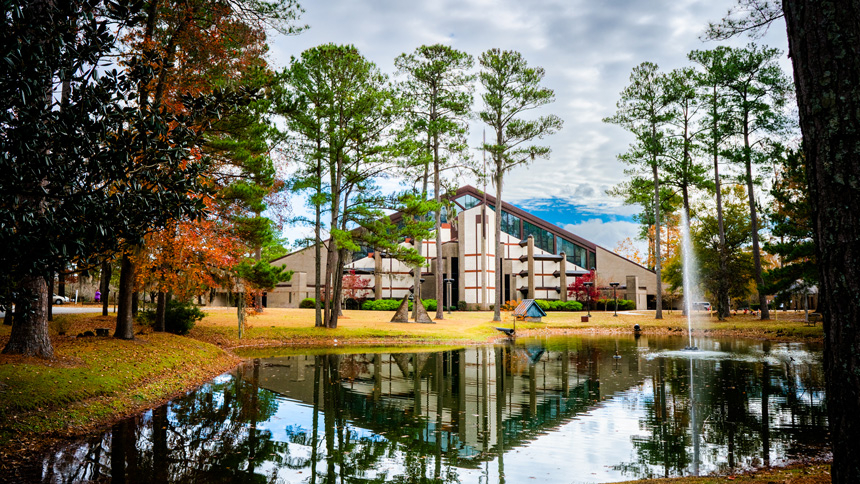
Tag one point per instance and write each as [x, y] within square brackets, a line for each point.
[579, 291]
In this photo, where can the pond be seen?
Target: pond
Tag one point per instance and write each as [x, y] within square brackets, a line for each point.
[571, 410]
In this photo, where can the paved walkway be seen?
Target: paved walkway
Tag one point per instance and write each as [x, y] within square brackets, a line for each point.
[71, 309]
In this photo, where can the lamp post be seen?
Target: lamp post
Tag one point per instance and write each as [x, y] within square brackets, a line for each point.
[588, 295]
[448, 282]
[615, 296]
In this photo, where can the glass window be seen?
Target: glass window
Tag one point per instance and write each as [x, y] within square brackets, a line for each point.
[468, 201]
[510, 224]
[543, 239]
[573, 252]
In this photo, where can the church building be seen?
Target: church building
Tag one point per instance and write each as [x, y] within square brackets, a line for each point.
[539, 261]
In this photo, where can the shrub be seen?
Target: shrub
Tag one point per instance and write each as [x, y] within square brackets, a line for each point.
[626, 305]
[461, 305]
[557, 305]
[430, 304]
[383, 305]
[179, 317]
[308, 303]
[571, 306]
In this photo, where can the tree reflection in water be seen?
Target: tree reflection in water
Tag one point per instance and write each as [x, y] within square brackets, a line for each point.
[479, 414]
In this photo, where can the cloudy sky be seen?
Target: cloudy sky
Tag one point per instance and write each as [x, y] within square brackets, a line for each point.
[588, 49]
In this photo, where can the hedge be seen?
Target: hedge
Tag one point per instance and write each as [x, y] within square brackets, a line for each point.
[555, 305]
[393, 304]
[608, 304]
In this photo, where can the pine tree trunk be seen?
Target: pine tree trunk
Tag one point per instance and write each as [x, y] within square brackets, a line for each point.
[759, 281]
[124, 318]
[659, 293]
[29, 336]
[440, 284]
[499, 252]
[824, 45]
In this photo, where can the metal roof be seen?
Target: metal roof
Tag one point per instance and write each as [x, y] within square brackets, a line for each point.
[528, 307]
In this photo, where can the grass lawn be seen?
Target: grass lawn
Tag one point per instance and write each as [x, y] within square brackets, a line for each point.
[295, 327]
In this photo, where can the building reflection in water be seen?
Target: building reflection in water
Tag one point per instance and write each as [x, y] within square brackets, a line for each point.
[557, 410]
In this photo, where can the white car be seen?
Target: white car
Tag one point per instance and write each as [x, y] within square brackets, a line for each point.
[60, 299]
[702, 306]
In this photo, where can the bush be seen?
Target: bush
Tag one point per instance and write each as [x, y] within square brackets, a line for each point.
[430, 304]
[626, 305]
[383, 305]
[179, 317]
[556, 305]
[308, 303]
[461, 305]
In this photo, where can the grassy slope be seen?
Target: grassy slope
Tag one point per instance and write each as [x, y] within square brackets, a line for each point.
[94, 381]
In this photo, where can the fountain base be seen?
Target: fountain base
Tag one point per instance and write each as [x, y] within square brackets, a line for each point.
[691, 348]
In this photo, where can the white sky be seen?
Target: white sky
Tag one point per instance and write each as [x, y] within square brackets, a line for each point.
[588, 49]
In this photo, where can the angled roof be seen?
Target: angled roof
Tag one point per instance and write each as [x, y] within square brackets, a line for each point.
[536, 221]
[528, 307]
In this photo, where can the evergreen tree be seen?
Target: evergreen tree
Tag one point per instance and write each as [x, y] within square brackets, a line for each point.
[438, 91]
[715, 133]
[645, 109]
[756, 89]
[791, 230]
[512, 88]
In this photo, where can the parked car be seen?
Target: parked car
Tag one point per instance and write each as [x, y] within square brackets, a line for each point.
[702, 306]
[61, 299]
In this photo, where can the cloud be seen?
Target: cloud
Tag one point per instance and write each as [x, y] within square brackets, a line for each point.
[607, 234]
[587, 49]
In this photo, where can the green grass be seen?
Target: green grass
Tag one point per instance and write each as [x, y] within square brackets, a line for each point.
[94, 380]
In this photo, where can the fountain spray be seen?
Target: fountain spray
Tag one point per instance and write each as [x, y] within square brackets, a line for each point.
[690, 279]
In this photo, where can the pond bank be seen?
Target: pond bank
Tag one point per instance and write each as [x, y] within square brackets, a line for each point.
[96, 381]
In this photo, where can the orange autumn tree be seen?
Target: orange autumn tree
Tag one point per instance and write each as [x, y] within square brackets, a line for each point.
[204, 47]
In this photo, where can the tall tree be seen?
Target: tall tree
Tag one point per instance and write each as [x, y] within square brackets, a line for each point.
[198, 47]
[512, 88]
[299, 97]
[682, 169]
[716, 131]
[70, 188]
[824, 46]
[756, 89]
[439, 90]
[351, 112]
[644, 110]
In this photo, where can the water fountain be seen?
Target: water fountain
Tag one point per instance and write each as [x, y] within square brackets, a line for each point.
[690, 279]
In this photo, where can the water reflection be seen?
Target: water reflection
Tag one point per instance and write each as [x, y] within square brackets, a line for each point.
[561, 410]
